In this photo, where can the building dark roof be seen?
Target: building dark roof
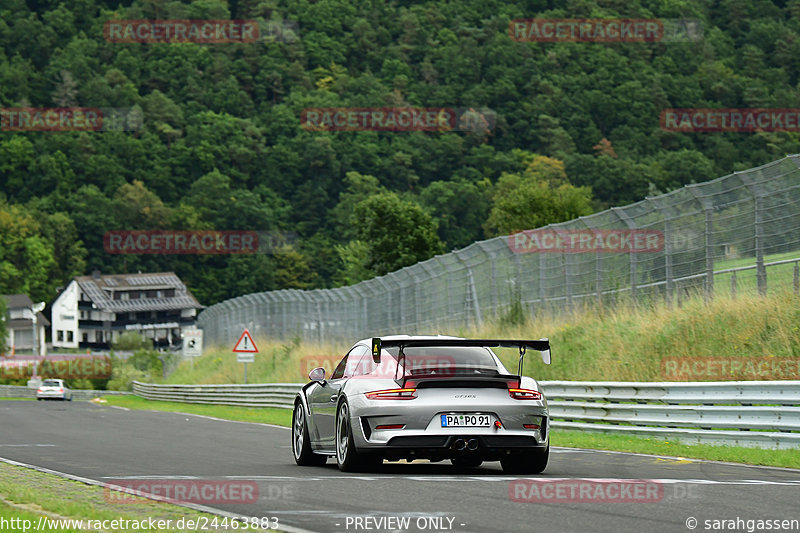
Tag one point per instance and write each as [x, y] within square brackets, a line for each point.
[18, 301]
[100, 290]
[22, 301]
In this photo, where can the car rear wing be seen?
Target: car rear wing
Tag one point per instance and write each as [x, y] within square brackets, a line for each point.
[542, 345]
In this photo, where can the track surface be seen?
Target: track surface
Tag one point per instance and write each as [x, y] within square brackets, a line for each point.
[104, 443]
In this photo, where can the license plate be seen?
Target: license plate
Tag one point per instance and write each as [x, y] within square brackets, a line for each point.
[466, 421]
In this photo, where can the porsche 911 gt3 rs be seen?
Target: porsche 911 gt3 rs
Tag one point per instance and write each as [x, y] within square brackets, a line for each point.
[424, 397]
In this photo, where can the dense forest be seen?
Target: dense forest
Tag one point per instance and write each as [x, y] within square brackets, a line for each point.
[219, 145]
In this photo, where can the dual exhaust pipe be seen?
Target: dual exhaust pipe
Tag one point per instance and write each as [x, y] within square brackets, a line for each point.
[460, 445]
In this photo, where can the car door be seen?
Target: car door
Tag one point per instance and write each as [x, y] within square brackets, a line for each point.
[323, 398]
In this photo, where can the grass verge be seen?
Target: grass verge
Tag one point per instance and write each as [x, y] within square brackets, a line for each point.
[622, 443]
[570, 439]
[27, 494]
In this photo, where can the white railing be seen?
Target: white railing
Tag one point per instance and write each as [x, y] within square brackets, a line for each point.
[762, 414]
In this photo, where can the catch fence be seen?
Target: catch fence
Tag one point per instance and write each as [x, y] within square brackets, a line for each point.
[721, 236]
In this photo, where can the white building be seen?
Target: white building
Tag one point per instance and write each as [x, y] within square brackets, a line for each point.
[19, 324]
[93, 311]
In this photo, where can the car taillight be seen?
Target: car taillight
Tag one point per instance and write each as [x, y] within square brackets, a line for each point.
[531, 426]
[525, 394]
[392, 394]
[40, 390]
[60, 390]
[390, 426]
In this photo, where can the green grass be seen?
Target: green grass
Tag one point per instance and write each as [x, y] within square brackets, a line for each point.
[573, 439]
[16, 399]
[28, 494]
[623, 443]
[264, 415]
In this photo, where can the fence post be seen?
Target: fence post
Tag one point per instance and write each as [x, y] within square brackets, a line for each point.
[568, 278]
[633, 259]
[796, 278]
[758, 198]
[668, 273]
[708, 211]
[761, 270]
[733, 284]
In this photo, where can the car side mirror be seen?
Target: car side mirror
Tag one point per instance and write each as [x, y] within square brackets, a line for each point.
[318, 374]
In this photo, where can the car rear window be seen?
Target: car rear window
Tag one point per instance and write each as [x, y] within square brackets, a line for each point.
[438, 360]
[50, 383]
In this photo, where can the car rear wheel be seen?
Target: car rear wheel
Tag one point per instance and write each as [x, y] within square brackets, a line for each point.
[348, 457]
[301, 444]
[532, 462]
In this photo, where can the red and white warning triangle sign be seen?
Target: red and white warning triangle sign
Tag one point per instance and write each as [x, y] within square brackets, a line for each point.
[245, 344]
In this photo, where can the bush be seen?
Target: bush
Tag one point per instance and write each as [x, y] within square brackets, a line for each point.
[123, 376]
[130, 340]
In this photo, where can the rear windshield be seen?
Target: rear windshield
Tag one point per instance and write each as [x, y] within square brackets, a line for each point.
[446, 360]
[50, 383]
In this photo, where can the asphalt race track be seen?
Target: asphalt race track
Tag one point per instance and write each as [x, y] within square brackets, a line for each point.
[104, 443]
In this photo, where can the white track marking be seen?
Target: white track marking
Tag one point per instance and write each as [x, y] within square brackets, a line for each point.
[489, 479]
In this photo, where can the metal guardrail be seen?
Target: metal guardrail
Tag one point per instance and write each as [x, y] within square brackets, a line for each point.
[259, 395]
[763, 414]
[16, 391]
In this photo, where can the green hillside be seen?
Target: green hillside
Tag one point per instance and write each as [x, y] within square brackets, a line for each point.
[220, 145]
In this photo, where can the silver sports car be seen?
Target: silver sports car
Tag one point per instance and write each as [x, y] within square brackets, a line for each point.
[424, 397]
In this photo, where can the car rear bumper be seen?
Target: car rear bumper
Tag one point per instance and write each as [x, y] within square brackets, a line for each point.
[51, 395]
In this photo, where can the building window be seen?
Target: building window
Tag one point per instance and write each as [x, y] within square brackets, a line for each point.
[60, 335]
[98, 336]
[69, 336]
[124, 296]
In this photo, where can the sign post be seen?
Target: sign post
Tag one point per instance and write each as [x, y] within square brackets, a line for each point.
[245, 349]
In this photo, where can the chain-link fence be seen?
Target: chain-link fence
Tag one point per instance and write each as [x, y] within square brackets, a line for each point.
[662, 248]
